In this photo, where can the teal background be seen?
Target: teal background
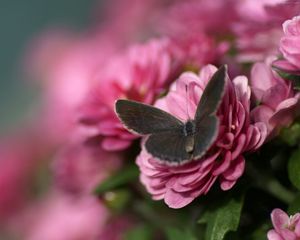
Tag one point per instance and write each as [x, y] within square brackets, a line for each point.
[20, 21]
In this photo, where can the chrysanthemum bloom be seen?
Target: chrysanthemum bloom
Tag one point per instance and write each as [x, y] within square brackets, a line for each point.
[140, 74]
[290, 42]
[285, 227]
[278, 103]
[79, 168]
[197, 44]
[259, 27]
[180, 185]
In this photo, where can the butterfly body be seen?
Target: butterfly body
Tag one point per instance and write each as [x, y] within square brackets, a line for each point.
[169, 139]
[189, 130]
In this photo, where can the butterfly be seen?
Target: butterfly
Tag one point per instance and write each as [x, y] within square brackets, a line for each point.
[169, 139]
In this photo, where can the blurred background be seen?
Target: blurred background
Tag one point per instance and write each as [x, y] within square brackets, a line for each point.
[25, 171]
[20, 22]
[50, 52]
[58, 180]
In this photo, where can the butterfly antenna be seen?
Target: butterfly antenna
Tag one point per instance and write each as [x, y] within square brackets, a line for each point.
[186, 100]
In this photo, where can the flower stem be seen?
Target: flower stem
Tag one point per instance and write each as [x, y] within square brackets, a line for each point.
[269, 184]
[279, 191]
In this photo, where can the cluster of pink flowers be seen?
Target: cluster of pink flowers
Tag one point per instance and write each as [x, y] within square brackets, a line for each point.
[80, 137]
[279, 103]
[285, 227]
[259, 27]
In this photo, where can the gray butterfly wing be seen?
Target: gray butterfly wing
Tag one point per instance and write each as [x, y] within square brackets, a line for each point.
[206, 134]
[206, 121]
[212, 94]
[169, 147]
[145, 119]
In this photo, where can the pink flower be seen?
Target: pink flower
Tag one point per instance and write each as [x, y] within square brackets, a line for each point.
[60, 217]
[285, 227]
[259, 28]
[196, 45]
[278, 103]
[180, 185]
[199, 16]
[290, 42]
[197, 49]
[65, 65]
[140, 74]
[80, 168]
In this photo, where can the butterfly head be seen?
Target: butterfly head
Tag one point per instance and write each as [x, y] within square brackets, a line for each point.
[189, 128]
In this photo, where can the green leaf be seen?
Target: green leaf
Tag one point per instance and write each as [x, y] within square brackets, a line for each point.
[119, 179]
[223, 217]
[141, 232]
[232, 236]
[177, 234]
[117, 199]
[294, 169]
[260, 233]
[204, 218]
[291, 135]
[294, 207]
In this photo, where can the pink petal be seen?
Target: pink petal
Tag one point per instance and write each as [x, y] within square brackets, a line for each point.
[274, 95]
[206, 74]
[291, 26]
[286, 66]
[279, 219]
[261, 78]
[285, 112]
[226, 141]
[158, 196]
[262, 113]
[223, 164]
[241, 87]
[107, 128]
[239, 146]
[177, 200]
[177, 106]
[236, 169]
[256, 136]
[262, 131]
[291, 45]
[242, 115]
[114, 144]
[191, 178]
[226, 185]
[184, 80]
[288, 234]
[209, 184]
[273, 235]
[297, 228]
